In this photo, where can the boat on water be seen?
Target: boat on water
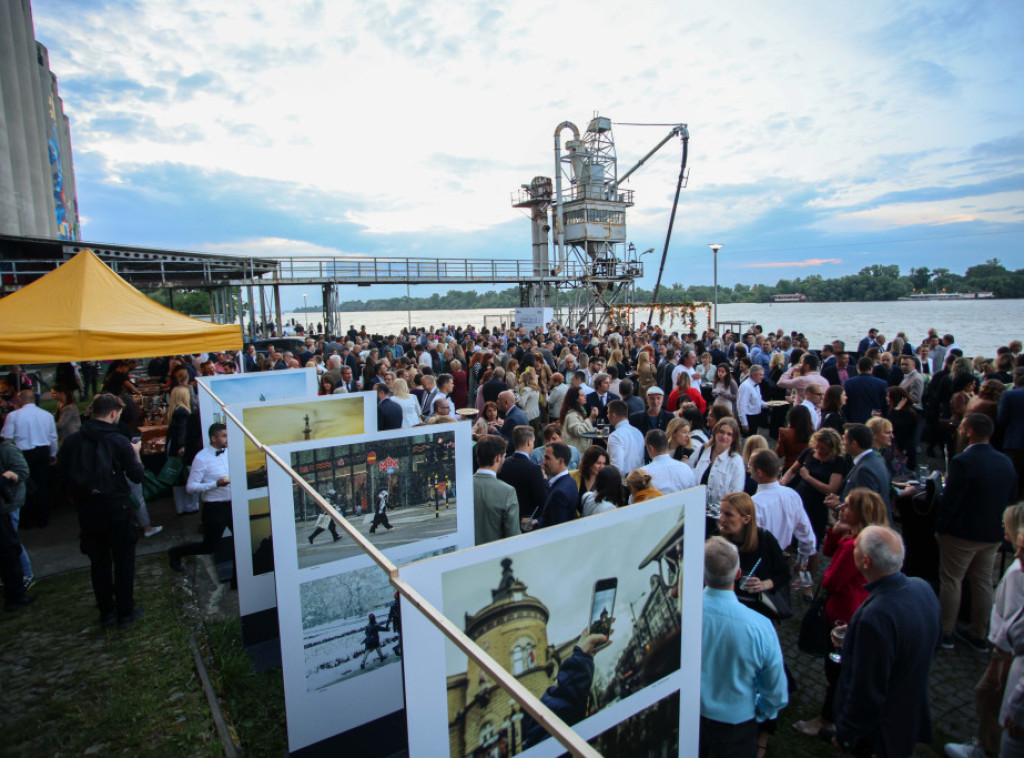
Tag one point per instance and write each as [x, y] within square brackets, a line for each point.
[794, 298]
[947, 296]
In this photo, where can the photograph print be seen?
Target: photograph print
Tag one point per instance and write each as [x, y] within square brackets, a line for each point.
[583, 623]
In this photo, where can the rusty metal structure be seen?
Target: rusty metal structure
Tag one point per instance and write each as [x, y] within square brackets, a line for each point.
[583, 217]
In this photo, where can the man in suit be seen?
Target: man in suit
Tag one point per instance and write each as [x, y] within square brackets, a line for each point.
[869, 469]
[389, 413]
[839, 370]
[429, 393]
[563, 497]
[522, 474]
[514, 416]
[600, 397]
[654, 417]
[494, 386]
[495, 507]
[864, 393]
[1011, 424]
[867, 342]
[348, 382]
[981, 483]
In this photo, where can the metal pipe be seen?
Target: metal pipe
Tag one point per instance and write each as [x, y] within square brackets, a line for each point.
[557, 728]
[680, 129]
[671, 221]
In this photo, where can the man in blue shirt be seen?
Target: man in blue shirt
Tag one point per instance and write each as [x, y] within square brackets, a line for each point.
[742, 681]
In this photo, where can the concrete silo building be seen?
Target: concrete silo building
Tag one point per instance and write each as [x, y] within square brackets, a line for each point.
[37, 185]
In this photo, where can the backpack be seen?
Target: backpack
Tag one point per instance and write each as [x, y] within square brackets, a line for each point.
[94, 469]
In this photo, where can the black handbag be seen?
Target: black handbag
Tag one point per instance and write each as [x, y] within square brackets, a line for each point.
[814, 628]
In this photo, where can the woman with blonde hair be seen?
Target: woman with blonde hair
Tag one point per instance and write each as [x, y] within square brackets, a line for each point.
[752, 444]
[528, 398]
[881, 428]
[645, 374]
[639, 483]
[410, 408]
[680, 447]
[180, 418]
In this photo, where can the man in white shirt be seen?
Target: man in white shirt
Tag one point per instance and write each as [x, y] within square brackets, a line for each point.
[813, 396]
[749, 404]
[445, 382]
[626, 443]
[209, 478]
[779, 509]
[667, 474]
[34, 433]
[688, 364]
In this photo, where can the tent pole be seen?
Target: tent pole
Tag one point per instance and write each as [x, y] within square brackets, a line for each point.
[170, 297]
[252, 315]
[263, 309]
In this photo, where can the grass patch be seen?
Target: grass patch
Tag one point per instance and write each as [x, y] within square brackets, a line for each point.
[253, 702]
[70, 687]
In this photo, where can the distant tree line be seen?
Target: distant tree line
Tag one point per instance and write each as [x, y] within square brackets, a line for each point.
[875, 282]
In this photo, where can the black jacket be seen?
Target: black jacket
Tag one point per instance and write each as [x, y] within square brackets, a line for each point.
[527, 480]
[101, 448]
[980, 484]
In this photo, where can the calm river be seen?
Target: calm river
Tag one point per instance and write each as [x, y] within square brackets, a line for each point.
[980, 326]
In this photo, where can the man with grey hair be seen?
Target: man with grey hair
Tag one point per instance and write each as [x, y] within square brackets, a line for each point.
[750, 406]
[742, 681]
[881, 701]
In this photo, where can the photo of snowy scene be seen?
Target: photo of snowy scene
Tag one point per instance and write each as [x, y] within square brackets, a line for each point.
[394, 490]
[350, 625]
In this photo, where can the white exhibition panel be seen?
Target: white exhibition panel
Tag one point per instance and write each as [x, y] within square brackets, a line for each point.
[323, 608]
[560, 567]
[279, 422]
[250, 388]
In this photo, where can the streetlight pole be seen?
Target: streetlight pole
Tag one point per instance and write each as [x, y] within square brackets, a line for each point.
[305, 312]
[715, 247]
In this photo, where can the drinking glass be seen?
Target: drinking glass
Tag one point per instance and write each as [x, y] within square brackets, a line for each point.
[838, 634]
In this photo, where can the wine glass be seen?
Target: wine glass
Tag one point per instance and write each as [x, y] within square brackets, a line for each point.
[838, 634]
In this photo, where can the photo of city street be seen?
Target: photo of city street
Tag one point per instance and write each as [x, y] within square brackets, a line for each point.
[394, 491]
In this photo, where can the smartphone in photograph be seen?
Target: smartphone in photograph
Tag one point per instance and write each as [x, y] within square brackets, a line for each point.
[602, 608]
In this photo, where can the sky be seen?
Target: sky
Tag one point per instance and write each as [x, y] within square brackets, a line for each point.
[824, 137]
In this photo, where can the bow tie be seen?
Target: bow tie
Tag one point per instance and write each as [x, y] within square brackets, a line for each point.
[220, 451]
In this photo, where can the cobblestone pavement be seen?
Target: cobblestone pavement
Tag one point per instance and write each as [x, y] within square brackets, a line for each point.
[953, 676]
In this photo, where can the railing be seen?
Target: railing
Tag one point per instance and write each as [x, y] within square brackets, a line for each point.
[451, 270]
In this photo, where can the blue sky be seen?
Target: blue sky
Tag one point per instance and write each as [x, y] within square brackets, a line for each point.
[824, 137]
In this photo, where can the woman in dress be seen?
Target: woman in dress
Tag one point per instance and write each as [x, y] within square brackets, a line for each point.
[777, 414]
[639, 483]
[511, 374]
[817, 473]
[844, 583]
[894, 459]
[832, 408]
[616, 367]
[594, 459]
[723, 388]
[680, 448]
[460, 385]
[486, 421]
[608, 493]
[718, 464]
[753, 443]
[410, 408]
[903, 418]
[179, 420]
[794, 439]
[575, 420]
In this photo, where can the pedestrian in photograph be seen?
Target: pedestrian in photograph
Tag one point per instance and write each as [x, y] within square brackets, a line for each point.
[371, 640]
[381, 516]
[323, 522]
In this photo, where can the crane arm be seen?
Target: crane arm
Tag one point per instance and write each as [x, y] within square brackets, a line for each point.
[678, 130]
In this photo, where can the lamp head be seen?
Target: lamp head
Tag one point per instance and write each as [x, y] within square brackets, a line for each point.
[716, 247]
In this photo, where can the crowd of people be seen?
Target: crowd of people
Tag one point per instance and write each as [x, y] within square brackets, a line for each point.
[809, 456]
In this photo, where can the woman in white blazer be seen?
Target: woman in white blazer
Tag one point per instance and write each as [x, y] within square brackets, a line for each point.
[718, 463]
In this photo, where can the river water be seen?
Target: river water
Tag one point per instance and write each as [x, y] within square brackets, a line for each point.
[980, 326]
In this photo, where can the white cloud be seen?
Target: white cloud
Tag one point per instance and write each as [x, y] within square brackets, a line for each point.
[356, 100]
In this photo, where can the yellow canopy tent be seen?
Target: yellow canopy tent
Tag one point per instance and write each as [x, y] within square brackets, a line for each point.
[83, 311]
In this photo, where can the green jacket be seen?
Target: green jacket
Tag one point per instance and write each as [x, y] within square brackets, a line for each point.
[11, 459]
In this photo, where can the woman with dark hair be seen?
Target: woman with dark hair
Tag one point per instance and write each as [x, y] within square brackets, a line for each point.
[903, 417]
[692, 415]
[369, 373]
[832, 408]
[724, 388]
[608, 493]
[327, 385]
[594, 459]
[776, 414]
[794, 439]
[69, 420]
[575, 420]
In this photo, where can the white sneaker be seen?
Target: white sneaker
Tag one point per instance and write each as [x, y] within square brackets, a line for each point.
[149, 531]
[965, 749]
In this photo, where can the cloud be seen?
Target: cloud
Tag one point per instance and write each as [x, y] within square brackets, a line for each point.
[796, 264]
